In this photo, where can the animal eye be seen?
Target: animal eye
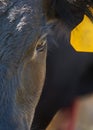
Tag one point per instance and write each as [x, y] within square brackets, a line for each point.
[40, 47]
[41, 44]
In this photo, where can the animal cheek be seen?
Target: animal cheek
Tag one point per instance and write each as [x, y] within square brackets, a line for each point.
[32, 77]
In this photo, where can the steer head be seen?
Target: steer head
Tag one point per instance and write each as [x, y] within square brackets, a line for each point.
[22, 61]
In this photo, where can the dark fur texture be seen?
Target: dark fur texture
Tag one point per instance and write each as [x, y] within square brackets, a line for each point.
[69, 73]
[22, 61]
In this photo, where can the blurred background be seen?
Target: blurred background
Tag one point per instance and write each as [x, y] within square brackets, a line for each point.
[83, 117]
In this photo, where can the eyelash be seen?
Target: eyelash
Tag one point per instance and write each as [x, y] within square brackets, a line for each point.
[40, 47]
[41, 43]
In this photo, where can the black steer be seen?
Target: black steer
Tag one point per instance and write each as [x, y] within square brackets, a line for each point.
[22, 61]
[69, 73]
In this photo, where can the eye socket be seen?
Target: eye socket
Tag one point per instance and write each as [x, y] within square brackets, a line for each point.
[40, 47]
[41, 44]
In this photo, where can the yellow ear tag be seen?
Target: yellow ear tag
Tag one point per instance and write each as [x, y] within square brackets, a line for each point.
[82, 36]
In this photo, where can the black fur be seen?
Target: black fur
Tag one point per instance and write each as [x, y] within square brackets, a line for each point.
[22, 61]
[69, 73]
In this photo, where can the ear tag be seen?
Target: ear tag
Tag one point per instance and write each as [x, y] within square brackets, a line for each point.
[82, 36]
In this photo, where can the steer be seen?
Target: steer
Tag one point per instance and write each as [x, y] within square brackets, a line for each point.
[22, 61]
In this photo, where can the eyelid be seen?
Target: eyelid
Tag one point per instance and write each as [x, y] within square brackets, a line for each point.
[41, 43]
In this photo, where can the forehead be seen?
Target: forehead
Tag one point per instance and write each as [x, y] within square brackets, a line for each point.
[23, 17]
[25, 10]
